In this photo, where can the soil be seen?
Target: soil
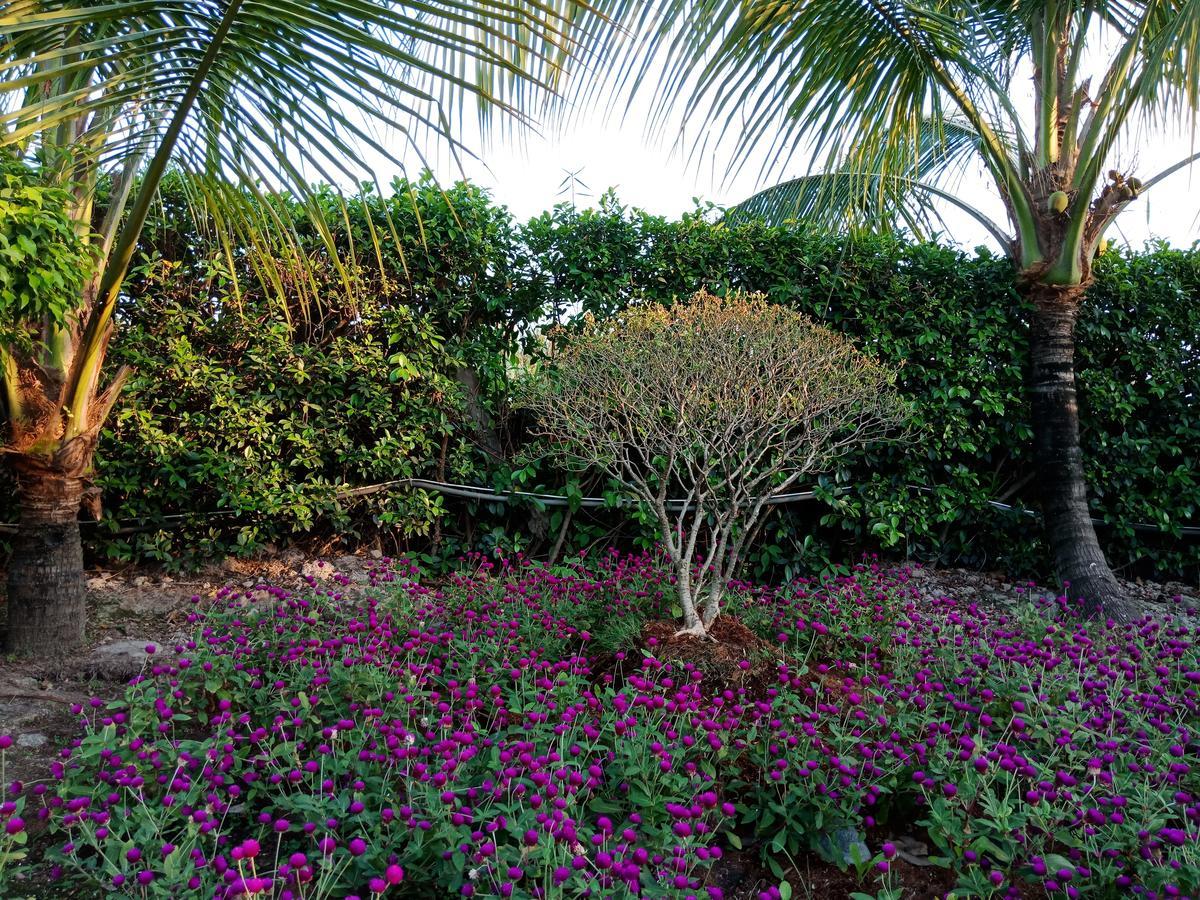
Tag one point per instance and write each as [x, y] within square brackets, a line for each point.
[730, 658]
[996, 590]
[741, 876]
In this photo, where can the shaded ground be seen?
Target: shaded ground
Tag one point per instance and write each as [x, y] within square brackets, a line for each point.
[136, 616]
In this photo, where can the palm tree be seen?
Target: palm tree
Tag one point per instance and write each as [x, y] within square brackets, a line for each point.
[244, 98]
[891, 99]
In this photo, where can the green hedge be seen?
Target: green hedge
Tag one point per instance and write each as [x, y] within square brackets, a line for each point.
[954, 324]
[246, 419]
[235, 412]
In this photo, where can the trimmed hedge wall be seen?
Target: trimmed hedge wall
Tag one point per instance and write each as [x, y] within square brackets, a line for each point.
[954, 324]
[236, 413]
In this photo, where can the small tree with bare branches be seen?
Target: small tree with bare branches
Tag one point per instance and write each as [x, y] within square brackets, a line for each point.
[706, 412]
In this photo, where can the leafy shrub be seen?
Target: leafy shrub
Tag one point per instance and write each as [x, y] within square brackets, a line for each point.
[463, 740]
[250, 434]
[250, 415]
[952, 325]
[43, 261]
[476, 286]
[704, 412]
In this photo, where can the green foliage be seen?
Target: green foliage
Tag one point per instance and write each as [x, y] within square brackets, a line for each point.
[251, 433]
[217, 419]
[1139, 373]
[43, 260]
[246, 423]
[954, 326]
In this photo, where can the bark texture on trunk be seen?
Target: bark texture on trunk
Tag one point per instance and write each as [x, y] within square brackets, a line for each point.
[483, 426]
[711, 607]
[687, 602]
[1078, 559]
[46, 596]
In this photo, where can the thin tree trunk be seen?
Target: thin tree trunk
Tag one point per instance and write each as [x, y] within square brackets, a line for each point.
[482, 423]
[1079, 561]
[562, 537]
[46, 597]
[687, 602]
[712, 604]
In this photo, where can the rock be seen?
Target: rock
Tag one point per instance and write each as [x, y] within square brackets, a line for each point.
[31, 739]
[376, 553]
[21, 713]
[122, 659]
[318, 570]
[148, 603]
[913, 851]
[844, 846]
[131, 647]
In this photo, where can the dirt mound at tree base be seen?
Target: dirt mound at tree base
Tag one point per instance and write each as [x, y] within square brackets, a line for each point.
[730, 658]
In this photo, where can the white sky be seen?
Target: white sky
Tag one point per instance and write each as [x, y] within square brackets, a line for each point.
[648, 174]
[525, 174]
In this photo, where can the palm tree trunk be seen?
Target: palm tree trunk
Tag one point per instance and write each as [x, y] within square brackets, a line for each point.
[46, 609]
[1079, 561]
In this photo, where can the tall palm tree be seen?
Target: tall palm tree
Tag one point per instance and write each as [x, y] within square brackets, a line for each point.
[891, 99]
[98, 98]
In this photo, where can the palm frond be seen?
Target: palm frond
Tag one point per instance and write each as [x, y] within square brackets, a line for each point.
[853, 203]
[1155, 78]
[252, 97]
[794, 78]
[313, 75]
[860, 195]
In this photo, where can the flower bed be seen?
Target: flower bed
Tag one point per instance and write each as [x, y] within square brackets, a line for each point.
[512, 733]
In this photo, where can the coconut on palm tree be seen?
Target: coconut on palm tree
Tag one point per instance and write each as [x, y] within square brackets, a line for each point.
[890, 99]
[242, 97]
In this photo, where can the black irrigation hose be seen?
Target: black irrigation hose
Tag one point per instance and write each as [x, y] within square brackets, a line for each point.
[475, 492]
